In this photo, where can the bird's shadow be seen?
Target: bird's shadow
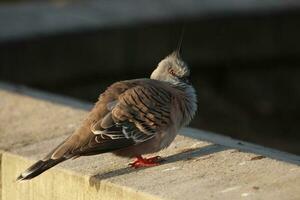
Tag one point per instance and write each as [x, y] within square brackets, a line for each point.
[186, 154]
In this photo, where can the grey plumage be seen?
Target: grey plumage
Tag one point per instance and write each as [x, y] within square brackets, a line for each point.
[131, 118]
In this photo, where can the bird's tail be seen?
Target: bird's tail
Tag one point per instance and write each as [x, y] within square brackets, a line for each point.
[38, 168]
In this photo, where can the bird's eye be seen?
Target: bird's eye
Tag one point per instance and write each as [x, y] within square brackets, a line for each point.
[171, 71]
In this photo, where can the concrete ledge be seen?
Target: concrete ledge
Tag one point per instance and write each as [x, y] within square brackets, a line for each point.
[194, 169]
[59, 184]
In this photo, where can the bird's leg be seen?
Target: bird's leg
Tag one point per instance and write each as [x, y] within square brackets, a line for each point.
[146, 162]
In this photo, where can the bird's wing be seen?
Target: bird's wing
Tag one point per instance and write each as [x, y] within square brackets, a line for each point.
[137, 116]
[83, 136]
[131, 116]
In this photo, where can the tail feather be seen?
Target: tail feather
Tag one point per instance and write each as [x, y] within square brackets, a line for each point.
[71, 149]
[38, 168]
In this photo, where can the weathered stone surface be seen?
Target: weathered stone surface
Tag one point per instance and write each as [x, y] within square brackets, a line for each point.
[1, 152]
[193, 169]
[25, 120]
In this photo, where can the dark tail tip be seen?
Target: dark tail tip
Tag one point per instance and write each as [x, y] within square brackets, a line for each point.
[38, 168]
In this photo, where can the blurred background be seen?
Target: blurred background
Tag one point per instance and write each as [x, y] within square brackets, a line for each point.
[244, 55]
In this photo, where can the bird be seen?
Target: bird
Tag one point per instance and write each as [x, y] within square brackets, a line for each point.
[131, 118]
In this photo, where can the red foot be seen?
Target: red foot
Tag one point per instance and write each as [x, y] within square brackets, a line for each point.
[146, 162]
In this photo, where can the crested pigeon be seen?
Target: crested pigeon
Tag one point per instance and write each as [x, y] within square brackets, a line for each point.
[131, 118]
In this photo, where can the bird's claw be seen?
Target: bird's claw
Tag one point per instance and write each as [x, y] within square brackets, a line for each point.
[146, 162]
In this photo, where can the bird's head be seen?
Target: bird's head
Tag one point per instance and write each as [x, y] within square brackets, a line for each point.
[172, 69]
